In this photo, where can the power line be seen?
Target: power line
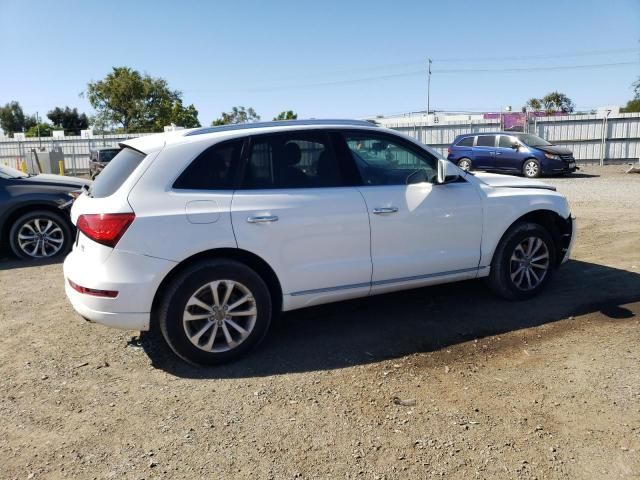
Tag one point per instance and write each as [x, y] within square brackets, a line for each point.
[422, 72]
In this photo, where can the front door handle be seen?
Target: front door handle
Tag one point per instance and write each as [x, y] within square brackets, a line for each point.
[383, 210]
[498, 153]
[263, 219]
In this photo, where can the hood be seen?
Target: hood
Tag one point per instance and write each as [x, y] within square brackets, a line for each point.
[554, 149]
[56, 181]
[507, 181]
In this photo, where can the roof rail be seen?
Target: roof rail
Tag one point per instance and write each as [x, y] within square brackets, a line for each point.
[278, 123]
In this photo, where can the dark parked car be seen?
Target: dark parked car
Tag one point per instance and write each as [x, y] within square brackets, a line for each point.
[99, 158]
[34, 212]
[511, 152]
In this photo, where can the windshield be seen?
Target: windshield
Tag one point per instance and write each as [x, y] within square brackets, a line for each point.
[8, 172]
[532, 140]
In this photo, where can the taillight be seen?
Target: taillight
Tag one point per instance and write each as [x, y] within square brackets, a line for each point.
[105, 228]
[94, 292]
[449, 150]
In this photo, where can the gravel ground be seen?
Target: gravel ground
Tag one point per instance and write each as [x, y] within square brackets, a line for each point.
[444, 382]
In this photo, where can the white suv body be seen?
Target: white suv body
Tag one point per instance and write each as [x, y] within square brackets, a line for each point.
[315, 212]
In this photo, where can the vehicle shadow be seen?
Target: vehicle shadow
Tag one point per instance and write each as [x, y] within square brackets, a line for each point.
[391, 326]
[10, 263]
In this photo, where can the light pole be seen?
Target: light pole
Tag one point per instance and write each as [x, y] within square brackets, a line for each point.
[428, 88]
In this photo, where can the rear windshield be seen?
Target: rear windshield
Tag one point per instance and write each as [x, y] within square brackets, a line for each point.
[115, 174]
[107, 155]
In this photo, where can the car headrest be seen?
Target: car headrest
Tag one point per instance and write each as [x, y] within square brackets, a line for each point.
[291, 154]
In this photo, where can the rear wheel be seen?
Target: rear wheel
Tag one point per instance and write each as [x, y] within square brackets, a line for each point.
[523, 262]
[40, 234]
[465, 164]
[215, 312]
[531, 168]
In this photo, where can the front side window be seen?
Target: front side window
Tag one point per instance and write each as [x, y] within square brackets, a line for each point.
[486, 141]
[507, 141]
[384, 161]
[213, 169]
[292, 160]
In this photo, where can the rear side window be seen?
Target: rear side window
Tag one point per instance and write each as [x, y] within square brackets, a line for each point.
[292, 160]
[213, 169]
[115, 174]
[486, 141]
[465, 142]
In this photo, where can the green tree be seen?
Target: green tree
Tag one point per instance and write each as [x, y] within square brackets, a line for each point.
[12, 118]
[236, 115]
[557, 102]
[181, 116]
[42, 129]
[137, 102]
[68, 120]
[633, 105]
[288, 115]
[533, 104]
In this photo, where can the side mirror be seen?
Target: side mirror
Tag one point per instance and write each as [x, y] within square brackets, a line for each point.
[516, 146]
[447, 172]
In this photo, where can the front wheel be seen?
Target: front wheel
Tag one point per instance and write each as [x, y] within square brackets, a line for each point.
[40, 234]
[531, 168]
[215, 312]
[523, 262]
[465, 164]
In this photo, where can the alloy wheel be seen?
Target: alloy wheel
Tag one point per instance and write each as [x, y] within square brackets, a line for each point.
[219, 316]
[529, 263]
[531, 169]
[40, 238]
[465, 165]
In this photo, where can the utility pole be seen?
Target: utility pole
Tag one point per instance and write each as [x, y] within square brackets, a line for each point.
[428, 89]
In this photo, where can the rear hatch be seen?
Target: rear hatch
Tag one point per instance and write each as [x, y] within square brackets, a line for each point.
[102, 213]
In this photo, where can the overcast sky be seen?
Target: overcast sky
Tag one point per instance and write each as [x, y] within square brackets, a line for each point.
[325, 58]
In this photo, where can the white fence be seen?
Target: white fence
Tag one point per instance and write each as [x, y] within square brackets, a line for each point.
[593, 139]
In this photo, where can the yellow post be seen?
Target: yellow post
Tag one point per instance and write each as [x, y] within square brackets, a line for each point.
[23, 166]
[61, 166]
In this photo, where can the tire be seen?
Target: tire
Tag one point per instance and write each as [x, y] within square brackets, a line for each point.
[40, 234]
[531, 168]
[465, 164]
[505, 278]
[196, 328]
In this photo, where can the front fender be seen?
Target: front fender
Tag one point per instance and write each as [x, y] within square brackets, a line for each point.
[504, 206]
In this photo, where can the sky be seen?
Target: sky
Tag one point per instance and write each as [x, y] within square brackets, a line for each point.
[325, 58]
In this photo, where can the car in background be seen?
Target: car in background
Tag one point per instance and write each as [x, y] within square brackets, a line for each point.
[203, 235]
[100, 158]
[509, 152]
[34, 212]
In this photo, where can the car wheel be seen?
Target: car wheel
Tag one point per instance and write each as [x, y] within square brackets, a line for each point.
[523, 262]
[40, 234]
[531, 168]
[214, 312]
[465, 164]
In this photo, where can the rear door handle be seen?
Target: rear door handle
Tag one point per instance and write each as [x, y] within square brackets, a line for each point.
[383, 210]
[263, 219]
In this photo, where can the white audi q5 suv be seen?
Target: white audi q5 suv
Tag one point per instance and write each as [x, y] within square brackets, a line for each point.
[206, 234]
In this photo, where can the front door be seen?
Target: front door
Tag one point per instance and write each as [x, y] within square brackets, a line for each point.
[421, 232]
[508, 156]
[297, 210]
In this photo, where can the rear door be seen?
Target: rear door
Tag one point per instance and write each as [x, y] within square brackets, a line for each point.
[298, 210]
[484, 151]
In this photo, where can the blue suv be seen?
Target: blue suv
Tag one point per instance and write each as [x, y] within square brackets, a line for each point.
[511, 152]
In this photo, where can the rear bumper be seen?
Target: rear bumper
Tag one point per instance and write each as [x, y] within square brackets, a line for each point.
[135, 277]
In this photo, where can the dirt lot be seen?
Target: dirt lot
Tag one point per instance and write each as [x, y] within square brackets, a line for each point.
[485, 388]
